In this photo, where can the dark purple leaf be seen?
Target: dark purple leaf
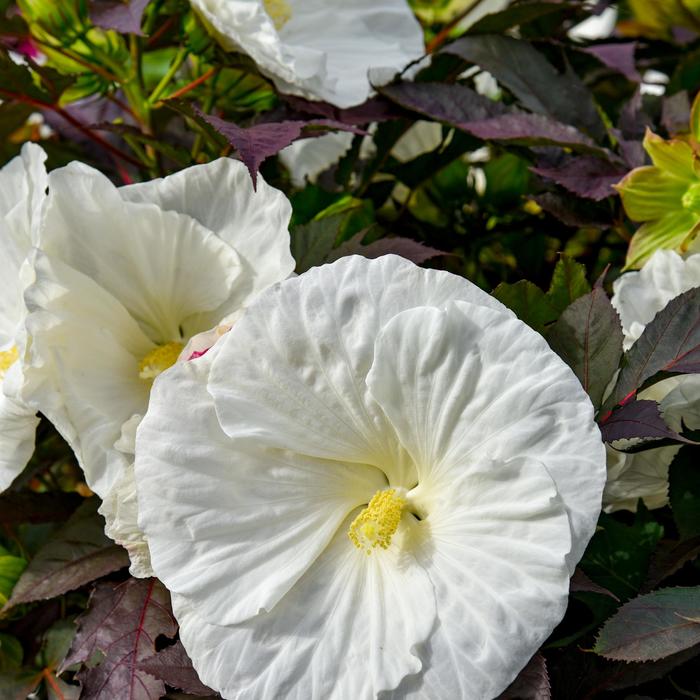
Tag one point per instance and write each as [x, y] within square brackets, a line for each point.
[77, 553]
[669, 343]
[455, 104]
[532, 683]
[637, 420]
[585, 176]
[539, 87]
[405, 247]
[376, 109]
[517, 15]
[669, 558]
[580, 583]
[588, 337]
[652, 626]
[531, 130]
[174, 667]
[122, 622]
[619, 57]
[123, 17]
[30, 507]
[572, 211]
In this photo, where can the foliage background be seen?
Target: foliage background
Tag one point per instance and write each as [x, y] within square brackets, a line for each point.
[518, 198]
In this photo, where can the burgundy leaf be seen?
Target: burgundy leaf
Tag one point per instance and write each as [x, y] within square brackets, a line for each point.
[122, 622]
[405, 247]
[652, 626]
[585, 176]
[588, 337]
[571, 210]
[669, 558]
[376, 109]
[174, 667]
[532, 683]
[669, 343]
[531, 130]
[77, 553]
[619, 57]
[455, 104]
[123, 17]
[581, 583]
[638, 420]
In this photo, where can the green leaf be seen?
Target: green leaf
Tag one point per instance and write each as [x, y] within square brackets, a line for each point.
[653, 626]
[77, 553]
[618, 556]
[588, 337]
[11, 653]
[11, 569]
[568, 283]
[684, 492]
[528, 301]
[312, 243]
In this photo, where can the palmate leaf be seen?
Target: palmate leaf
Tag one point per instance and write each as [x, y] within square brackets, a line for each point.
[122, 622]
[669, 343]
[588, 337]
[77, 553]
[652, 626]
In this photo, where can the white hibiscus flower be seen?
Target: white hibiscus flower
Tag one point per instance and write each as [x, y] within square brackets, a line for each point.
[124, 278]
[378, 480]
[319, 49]
[22, 194]
[638, 297]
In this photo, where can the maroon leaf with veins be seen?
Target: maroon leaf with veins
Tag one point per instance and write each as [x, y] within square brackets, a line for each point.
[638, 419]
[174, 667]
[580, 583]
[619, 57]
[532, 683]
[405, 247]
[585, 176]
[652, 626]
[122, 622]
[123, 17]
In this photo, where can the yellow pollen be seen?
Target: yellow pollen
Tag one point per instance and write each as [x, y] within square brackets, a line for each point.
[376, 524]
[7, 359]
[279, 12]
[159, 359]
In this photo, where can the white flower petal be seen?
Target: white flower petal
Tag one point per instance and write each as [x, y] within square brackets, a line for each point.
[639, 296]
[306, 159]
[327, 47]
[220, 196]
[291, 373]
[81, 369]
[231, 523]
[495, 555]
[17, 427]
[22, 193]
[349, 628]
[164, 267]
[470, 383]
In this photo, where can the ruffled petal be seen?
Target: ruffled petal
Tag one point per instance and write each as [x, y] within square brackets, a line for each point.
[17, 428]
[494, 549]
[22, 194]
[220, 196]
[81, 369]
[465, 384]
[639, 296]
[228, 522]
[351, 627]
[166, 269]
[291, 373]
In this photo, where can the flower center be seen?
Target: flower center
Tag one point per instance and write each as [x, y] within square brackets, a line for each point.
[7, 359]
[376, 524]
[279, 12]
[691, 199]
[159, 359]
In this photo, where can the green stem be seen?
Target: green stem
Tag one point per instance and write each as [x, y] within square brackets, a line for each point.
[179, 59]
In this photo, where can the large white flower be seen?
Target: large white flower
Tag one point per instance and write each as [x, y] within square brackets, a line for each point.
[638, 297]
[123, 279]
[378, 480]
[320, 49]
[22, 194]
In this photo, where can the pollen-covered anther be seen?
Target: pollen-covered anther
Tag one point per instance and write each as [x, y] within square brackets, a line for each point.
[159, 359]
[7, 359]
[377, 523]
[279, 11]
